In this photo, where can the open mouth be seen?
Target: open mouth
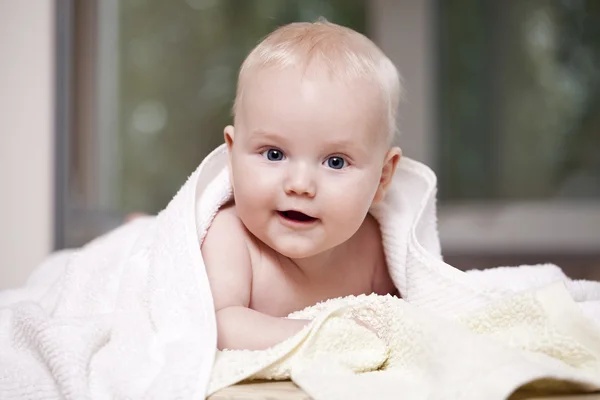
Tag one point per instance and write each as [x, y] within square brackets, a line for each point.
[296, 216]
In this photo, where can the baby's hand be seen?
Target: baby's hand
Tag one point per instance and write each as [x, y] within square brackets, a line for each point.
[135, 215]
[367, 320]
[364, 324]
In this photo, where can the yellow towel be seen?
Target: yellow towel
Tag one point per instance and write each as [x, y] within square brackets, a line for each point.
[537, 340]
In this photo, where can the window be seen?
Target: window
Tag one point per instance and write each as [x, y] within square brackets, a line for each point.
[503, 100]
[519, 125]
[519, 100]
[153, 90]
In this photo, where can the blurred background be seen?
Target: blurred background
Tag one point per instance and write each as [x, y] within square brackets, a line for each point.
[108, 105]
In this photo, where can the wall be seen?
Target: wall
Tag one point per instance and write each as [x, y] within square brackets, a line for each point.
[402, 29]
[26, 136]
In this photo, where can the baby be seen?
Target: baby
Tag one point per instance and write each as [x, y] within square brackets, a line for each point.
[309, 154]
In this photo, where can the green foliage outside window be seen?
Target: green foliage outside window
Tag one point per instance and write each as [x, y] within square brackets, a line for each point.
[178, 71]
[519, 99]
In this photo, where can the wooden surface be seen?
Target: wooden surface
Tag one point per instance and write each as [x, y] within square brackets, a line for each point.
[262, 391]
[289, 391]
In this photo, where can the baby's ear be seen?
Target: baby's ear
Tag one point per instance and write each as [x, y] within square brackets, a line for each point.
[228, 133]
[392, 158]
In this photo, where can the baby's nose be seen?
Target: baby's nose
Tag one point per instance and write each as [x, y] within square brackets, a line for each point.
[300, 181]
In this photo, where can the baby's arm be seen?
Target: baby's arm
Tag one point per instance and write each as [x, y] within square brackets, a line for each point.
[240, 327]
[229, 271]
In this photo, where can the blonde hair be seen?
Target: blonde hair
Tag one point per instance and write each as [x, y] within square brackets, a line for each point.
[345, 53]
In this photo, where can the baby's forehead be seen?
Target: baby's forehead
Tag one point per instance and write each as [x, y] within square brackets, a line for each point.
[315, 84]
[275, 97]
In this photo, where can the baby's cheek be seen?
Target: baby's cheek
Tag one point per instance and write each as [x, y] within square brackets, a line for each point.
[356, 195]
[350, 208]
[252, 197]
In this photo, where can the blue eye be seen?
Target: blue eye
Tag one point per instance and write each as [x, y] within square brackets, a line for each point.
[336, 162]
[274, 155]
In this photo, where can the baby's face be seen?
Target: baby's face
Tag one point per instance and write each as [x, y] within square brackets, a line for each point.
[306, 159]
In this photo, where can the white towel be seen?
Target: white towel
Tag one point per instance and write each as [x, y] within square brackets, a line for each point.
[130, 315]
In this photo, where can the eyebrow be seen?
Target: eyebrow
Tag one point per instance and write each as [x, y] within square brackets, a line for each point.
[259, 134]
[262, 132]
[342, 145]
[346, 145]
[272, 135]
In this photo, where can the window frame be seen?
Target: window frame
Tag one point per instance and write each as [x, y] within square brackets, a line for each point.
[405, 30]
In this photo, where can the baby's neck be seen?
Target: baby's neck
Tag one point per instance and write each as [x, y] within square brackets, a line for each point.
[329, 263]
[315, 268]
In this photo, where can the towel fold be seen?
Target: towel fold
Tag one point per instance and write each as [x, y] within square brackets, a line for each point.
[130, 315]
[535, 340]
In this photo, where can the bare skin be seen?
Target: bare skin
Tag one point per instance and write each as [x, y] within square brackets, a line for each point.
[253, 296]
[305, 169]
[260, 287]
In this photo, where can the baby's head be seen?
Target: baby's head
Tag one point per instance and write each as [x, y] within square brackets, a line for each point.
[310, 150]
[339, 53]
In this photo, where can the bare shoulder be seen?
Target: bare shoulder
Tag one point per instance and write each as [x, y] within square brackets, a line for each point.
[225, 230]
[381, 282]
[227, 261]
[225, 220]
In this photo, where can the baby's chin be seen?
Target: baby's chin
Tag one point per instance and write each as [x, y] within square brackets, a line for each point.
[295, 248]
[297, 254]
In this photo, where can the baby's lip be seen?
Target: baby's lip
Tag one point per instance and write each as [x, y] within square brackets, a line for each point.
[296, 216]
